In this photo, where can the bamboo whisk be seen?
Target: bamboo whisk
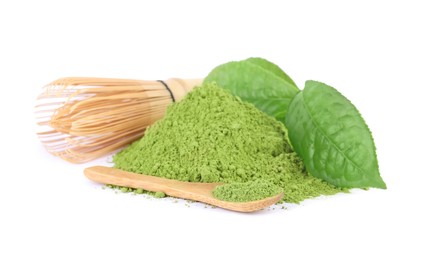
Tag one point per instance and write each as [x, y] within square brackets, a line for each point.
[81, 119]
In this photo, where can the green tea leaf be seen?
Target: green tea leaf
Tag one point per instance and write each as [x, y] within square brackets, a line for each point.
[263, 63]
[332, 138]
[259, 82]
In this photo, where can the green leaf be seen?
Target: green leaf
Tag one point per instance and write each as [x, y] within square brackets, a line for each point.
[329, 134]
[263, 63]
[259, 82]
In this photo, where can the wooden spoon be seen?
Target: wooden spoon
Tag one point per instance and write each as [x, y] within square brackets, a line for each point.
[186, 190]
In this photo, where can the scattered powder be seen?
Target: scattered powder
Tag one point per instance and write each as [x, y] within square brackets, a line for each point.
[159, 194]
[212, 136]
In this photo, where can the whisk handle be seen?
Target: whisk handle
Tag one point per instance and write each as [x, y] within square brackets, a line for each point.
[180, 87]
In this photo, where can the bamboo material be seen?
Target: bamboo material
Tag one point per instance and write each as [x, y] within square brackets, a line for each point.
[81, 119]
[187, 190]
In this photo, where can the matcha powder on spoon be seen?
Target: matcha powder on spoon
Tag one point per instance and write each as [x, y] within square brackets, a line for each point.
[212, 136]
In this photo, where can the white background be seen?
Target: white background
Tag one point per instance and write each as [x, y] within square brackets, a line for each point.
[370, 51]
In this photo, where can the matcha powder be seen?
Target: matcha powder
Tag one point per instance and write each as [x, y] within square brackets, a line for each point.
[212, 136]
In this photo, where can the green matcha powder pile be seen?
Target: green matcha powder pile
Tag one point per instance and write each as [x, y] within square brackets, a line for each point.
[213, 136]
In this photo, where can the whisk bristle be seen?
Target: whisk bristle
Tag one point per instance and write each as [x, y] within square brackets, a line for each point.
[81, 119]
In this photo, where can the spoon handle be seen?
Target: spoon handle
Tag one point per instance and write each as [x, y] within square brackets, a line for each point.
[186, 190]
